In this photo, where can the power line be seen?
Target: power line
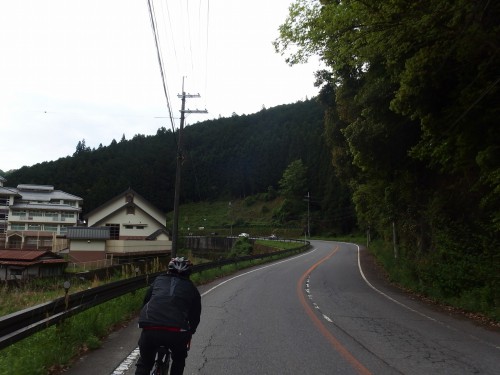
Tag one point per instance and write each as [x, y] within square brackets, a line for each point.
[152, 18]
[206, 50]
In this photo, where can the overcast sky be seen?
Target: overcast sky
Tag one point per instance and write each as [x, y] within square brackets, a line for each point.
[88, 69]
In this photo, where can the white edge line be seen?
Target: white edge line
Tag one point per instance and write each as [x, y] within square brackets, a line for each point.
[135, 353]
[255, 270]
[409, 308]
[385, 295]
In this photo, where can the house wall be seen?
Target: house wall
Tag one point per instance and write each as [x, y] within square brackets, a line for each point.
[86, 256]
[142, 225]
[136, 220]
[32, 271]
[131, 246]
[120, 206]
[104, 211]
[87, 251]
[87, 245]
[163, 237]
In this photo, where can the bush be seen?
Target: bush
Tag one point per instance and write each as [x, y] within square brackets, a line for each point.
[241, 247]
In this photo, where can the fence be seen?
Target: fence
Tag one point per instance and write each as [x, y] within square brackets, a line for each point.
[91, 265]
[19, 325]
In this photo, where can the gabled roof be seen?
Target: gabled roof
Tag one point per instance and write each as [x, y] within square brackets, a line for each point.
[126, 204]
[118, 197]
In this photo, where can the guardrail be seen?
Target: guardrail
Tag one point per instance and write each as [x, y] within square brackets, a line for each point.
[19, 325]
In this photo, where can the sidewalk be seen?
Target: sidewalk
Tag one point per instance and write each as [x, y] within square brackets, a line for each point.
[110, 355]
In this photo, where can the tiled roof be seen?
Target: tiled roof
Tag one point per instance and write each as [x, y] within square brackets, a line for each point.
[8, 191]
[26, 255]
[21, 254]
[41, 193]
[31, 263]
[85, 233]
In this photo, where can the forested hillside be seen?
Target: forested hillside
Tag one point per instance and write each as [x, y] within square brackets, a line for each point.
[227, 158]
[413, 96]
[405, 130]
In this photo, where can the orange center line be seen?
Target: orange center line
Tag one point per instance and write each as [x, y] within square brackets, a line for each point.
[319, 323]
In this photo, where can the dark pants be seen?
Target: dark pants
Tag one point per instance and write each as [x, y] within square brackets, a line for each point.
[150, 340]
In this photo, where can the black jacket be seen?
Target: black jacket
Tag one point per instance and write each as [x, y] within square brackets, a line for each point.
[171, 301]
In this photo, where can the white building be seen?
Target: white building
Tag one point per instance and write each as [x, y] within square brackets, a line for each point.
[125, 227]
[36, 216]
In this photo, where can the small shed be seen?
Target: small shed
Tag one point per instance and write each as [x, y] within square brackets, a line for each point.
[24, 264]
[87, 244]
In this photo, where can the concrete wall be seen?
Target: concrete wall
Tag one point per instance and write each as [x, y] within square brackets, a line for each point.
[87, 245]
[132, 246]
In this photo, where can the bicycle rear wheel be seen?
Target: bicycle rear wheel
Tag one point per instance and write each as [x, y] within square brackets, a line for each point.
[162, 361]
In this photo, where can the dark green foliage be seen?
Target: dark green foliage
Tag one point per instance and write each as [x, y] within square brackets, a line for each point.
[412, 98]
[241, 247]
[228, 158]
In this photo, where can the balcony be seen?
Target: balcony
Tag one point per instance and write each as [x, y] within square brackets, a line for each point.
[42, 219]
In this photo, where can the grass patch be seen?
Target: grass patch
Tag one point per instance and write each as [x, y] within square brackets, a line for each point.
[252, 215]
[54, 347]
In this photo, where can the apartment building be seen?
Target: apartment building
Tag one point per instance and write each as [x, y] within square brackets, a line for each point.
[36, 216]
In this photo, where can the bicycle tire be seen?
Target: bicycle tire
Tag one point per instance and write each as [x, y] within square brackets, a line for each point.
[162, 361]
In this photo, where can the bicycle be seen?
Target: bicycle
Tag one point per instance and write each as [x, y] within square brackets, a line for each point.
[162, 361]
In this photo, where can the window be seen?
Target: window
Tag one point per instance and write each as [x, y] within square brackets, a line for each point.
[129, 226]
[16, 273]
[19, 213]
[36, 213]
[34, 227]
[51, 214]
[31, 241]
[18, 227]
[114, 231]
[130, 210]
[68, 215]
[50, 228]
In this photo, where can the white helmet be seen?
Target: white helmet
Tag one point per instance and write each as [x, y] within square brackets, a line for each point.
[180, 265]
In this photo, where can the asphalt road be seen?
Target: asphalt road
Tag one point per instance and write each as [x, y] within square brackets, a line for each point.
[322, 312]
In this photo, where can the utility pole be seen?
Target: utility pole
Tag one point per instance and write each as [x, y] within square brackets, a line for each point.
[308, 199]
[180, 158]
[308, 215]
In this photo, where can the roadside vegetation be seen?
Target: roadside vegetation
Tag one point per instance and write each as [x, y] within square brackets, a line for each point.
[85, 331]
[450, 284]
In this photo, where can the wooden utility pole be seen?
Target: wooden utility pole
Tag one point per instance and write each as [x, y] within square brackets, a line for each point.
[180, 158]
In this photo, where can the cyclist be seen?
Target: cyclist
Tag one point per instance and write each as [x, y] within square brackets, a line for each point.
[169, 317]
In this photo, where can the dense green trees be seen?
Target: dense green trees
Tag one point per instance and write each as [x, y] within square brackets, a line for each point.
[413, 98]
[226, 158]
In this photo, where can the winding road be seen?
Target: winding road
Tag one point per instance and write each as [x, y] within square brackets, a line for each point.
[321, 312]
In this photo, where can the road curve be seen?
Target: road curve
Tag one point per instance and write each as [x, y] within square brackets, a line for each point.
[322, 313]
[318, 313]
